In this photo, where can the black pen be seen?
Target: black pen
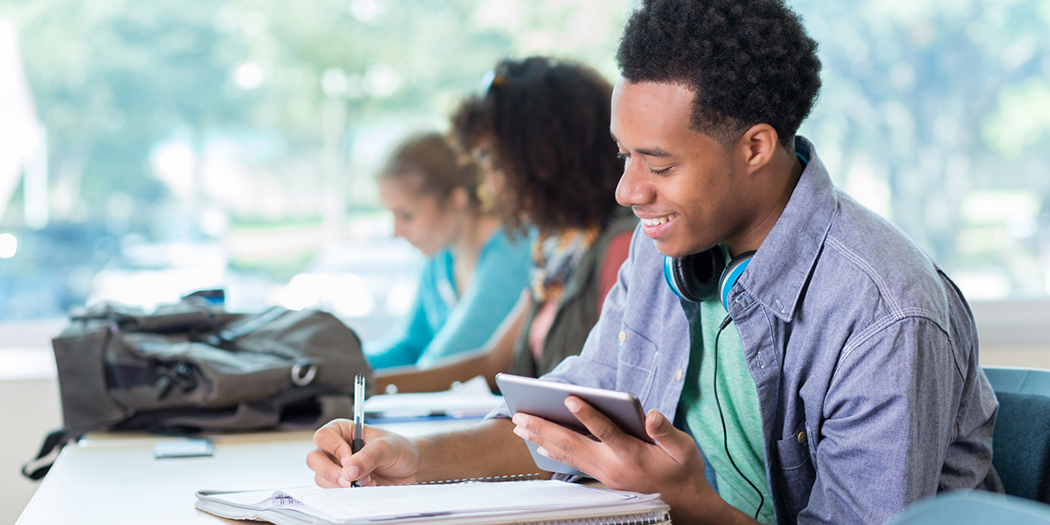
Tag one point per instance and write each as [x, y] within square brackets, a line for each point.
[359, 418]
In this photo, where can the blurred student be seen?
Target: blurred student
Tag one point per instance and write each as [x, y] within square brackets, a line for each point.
[475, 271]
[540, 132]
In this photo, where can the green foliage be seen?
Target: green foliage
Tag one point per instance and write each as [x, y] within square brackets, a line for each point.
[114, 78]
[925, 102]
[1021, 118]
[924, 97]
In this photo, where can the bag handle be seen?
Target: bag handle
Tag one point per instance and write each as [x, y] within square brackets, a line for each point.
[232, 335]
[39, 466]
[55, 441]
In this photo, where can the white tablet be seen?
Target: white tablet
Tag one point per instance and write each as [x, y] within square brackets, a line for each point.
[546, 399]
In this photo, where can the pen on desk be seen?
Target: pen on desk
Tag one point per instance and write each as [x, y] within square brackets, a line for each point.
[359, 417]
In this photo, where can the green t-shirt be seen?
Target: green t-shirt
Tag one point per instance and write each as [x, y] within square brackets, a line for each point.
[739, 401]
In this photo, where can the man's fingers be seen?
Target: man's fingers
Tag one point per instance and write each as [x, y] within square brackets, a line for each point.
[660, 430]
[657, 426]
[597, 424]
[324, 468]
[334, 438]
[324, 483]
[557, 442]
[360, 465]
[334, 459]
[386, 458]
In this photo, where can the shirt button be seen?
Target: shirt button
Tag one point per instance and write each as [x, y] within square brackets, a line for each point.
[678, 376]
[802, 437]
[623, 336]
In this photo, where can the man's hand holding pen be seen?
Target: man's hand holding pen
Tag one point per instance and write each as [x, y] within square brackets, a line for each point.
[386, 459]
[336, 461]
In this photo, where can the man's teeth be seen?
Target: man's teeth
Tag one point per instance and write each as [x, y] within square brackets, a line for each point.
[659, 220]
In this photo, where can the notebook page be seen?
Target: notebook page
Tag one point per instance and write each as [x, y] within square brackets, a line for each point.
[392, 502]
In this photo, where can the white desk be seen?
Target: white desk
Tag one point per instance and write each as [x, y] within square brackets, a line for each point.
[116, 481]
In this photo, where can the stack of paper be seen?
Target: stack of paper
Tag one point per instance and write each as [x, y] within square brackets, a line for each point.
[471, 503]
[470, 399]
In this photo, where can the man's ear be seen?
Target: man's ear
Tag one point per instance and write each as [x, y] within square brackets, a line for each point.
[758, 145]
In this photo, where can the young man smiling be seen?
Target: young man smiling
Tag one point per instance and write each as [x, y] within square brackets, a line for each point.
[839, 381]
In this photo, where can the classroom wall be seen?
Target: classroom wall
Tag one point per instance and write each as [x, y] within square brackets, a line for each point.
[29, 406]
[29, 410]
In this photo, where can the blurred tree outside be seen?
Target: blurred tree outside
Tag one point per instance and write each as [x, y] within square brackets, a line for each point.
[260, 123]
[936, 113]
[256, 121]
[116, 80]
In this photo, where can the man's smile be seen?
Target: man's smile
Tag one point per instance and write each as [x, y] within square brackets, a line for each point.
[656, 221]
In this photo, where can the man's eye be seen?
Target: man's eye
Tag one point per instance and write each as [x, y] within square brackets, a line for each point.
[623, 156]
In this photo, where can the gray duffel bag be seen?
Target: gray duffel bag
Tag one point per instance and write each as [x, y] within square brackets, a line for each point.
[190, 367]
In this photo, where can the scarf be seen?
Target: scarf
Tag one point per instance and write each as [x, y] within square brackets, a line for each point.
[555, 257]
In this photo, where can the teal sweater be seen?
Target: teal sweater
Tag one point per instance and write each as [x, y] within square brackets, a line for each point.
[445, 321]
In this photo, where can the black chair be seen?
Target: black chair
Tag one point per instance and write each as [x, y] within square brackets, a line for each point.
[1021, 443]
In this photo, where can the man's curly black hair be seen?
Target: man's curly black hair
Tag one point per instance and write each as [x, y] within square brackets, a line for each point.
[748, 61]
[548, 123]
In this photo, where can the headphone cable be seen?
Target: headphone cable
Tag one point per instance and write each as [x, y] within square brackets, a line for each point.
[725, 433]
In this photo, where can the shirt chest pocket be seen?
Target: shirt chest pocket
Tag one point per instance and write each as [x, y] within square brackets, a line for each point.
[796, 471]
[637, 363]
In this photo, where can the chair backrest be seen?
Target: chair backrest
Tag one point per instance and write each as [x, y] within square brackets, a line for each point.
[1021, 446]
[974, 508]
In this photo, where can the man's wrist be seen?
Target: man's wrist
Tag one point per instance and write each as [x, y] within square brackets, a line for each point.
[704, 506]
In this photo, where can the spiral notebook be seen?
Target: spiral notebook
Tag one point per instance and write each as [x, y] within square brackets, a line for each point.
[470, 503]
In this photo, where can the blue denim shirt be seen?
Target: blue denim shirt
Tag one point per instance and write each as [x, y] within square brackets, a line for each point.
[864, 356]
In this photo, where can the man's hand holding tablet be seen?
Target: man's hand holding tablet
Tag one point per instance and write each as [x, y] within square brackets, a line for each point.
[546, 399]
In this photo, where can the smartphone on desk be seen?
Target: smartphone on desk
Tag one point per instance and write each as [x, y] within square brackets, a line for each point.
[546, 399]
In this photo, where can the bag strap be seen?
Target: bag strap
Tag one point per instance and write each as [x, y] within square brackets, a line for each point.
[233, 334]
[39, 466]
[55, 441]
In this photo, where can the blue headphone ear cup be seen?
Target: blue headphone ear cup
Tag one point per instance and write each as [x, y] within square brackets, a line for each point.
[672, 269]
[729, 277]
[695, 277]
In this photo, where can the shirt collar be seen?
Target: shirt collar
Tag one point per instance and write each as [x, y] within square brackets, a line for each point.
[784, 261]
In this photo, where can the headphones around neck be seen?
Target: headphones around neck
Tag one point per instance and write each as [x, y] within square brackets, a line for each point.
[705, 275]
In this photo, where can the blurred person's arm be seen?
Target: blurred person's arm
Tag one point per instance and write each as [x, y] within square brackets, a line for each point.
[487, 361]
[404, 344]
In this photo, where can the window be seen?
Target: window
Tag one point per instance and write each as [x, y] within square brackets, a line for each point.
[936, 114]
[205, 144]
[164, 146]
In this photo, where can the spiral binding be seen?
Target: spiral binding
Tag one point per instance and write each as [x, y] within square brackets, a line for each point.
[490, 479]
[656, 517]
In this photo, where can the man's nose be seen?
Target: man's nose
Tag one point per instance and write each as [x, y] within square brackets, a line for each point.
[632, 188]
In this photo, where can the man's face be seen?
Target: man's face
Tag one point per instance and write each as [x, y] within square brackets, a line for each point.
[681, 183]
